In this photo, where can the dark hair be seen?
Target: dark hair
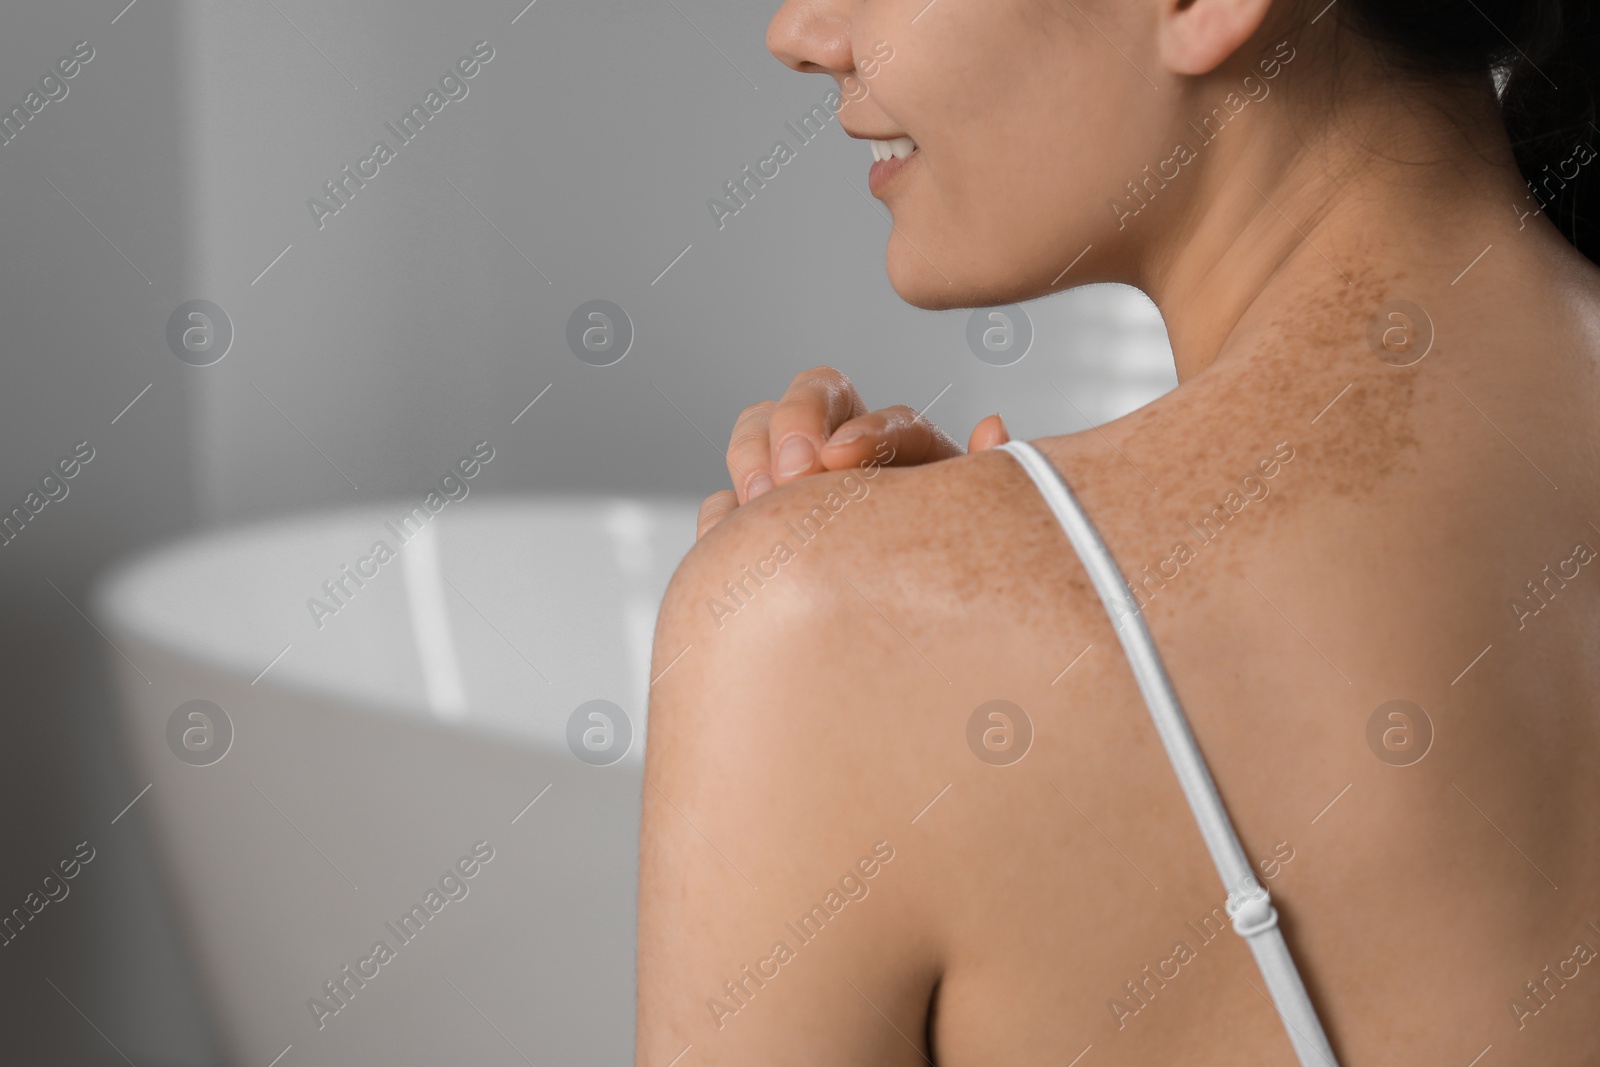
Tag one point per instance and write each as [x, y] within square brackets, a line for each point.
[1545, 59]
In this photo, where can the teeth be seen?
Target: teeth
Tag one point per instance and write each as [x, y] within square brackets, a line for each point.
[899, 148]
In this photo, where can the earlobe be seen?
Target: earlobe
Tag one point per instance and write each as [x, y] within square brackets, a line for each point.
[1197, 36]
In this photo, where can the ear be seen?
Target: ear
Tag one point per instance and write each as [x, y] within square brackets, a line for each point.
[1196, 36]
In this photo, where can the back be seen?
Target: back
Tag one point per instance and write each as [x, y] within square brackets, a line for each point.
[1248, 903]
[1382, 625]
[1372, 590]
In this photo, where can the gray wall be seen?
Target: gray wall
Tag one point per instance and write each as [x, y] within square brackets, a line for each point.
[83, 315]
[422, 317]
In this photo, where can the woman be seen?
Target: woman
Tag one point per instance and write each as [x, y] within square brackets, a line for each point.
[1362, 532]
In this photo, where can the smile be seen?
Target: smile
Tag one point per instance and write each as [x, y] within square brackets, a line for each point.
[889, 159]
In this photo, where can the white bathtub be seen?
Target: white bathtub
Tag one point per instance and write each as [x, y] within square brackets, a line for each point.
[420, 718]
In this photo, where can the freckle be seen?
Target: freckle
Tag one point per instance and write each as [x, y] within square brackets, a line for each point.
[1363, 431]
[1365, 434]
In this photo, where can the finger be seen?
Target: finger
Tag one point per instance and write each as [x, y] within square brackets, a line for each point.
[817, 402]
[749, 452]
[894, 436]
[713, 510]
[989, 433]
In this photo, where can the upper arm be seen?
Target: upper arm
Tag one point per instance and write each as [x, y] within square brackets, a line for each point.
[776, 792]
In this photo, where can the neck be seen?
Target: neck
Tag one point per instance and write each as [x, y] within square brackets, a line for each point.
[1281, 241]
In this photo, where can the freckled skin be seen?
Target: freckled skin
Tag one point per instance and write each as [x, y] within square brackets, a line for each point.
[1374, 582]
[1026, 901]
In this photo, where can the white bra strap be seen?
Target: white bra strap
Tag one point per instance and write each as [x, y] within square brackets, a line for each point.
[1249, 904]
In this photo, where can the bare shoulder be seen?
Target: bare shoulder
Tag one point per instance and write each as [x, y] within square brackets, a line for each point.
[920, 545]
[819, 658]
[841, 586]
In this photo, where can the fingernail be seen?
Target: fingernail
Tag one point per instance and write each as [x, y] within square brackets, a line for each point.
[845, 437]
[796, 457]
[759, 483]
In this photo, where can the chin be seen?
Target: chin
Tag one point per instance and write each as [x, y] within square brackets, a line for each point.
[921, 286]
[936, 297]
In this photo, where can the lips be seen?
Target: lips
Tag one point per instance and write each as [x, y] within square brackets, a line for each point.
[888, 164]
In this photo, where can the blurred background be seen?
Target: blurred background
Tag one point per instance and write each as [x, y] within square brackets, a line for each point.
[340, 369]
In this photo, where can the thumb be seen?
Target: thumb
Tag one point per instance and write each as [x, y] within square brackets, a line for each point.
[989, 433]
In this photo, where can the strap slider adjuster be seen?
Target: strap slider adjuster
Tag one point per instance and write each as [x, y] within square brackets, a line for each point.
[1251, 910]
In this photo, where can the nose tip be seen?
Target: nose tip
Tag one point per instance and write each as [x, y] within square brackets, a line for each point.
[805, 37]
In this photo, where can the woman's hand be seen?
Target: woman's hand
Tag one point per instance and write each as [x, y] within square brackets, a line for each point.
[822, 424]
